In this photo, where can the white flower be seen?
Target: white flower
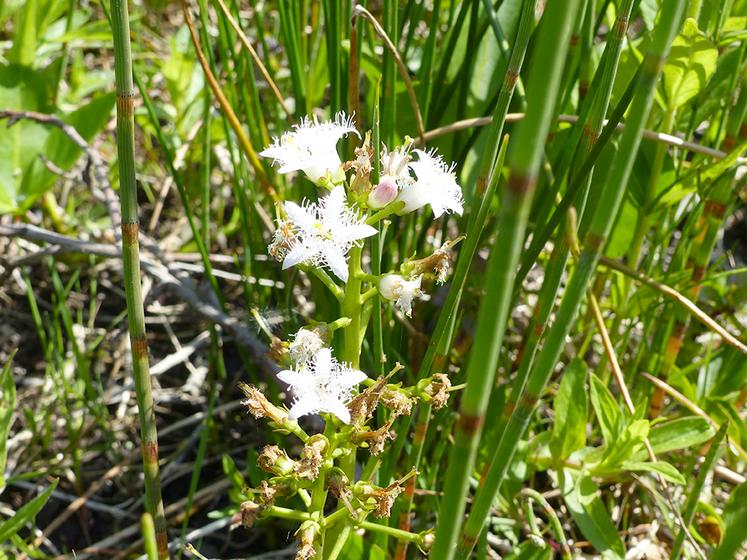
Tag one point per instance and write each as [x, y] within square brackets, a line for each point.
[324, 233]
[311, 147]
[306, 344]
[394, 165]
[395, 288]
[436, 185]
[321, 385]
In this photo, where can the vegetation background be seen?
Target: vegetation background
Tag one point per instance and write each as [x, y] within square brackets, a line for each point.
[628, 424]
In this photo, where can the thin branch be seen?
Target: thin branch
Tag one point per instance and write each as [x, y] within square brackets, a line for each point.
[690, 405]
[573, 119]
[244, 142]
[699, 314]
[165, 275]
[258, 61]
[404, 73]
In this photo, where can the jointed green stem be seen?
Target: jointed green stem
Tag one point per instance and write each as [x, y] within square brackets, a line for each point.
[524, 161]
[131, 262]
[575, 291]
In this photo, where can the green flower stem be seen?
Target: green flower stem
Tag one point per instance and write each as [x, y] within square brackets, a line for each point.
[335, 517]
[131, 263]
[368, 294]
[287, 513]
[326, 279]
[388, 210]
[390, 531]
[524, 160]
[352, 307]
[574, 294]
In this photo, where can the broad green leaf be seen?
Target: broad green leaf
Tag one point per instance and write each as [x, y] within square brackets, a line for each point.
[24, 42]
[622, 234]
[571, 409]
[7, 406]
[667, 471]
[21, 88]
[622, 449]
[589, 513]
[606, 408]
[357, 547]
[680, 434]
[26, 514]
[59, 149]
[691, 63]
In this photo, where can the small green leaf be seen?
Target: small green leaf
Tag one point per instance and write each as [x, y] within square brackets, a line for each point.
[26, 514]
[233, 474]
[691, 63]
[7, 406]
[606, 408]
[571, 409]
[680, 434]
[667, 471]
[589, 513]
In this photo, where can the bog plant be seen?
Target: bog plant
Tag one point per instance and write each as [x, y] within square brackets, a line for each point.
[488, 257]
[326, 238]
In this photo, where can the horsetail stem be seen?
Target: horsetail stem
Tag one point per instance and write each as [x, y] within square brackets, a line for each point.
[524, 160]
[594, 240]
[131, 264]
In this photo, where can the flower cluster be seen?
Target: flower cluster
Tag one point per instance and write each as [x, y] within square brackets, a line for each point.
[321, 384]
[325, 238]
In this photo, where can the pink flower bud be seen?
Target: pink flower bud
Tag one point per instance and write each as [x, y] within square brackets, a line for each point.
[384, 193]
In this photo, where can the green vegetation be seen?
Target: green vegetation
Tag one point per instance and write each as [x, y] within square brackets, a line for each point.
[542, 346]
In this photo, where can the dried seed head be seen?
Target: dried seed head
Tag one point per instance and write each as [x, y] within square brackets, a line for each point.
[274, 460]
[249, 513]
[437, 390]
[361, 165]
[363, 405]
[258, 405]
[278, 351]
[378, 500]
[437, 263]
[282, 241]
[266, 492]
[312, 457]
[396, 401]
[377, 442]
[307, 535]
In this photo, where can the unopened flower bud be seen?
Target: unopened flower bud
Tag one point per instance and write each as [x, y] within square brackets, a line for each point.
[401, 291]
[266, 492]
[383, 193]
[274, 460]
[312, 457]
[425, 543]
[259, 406]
